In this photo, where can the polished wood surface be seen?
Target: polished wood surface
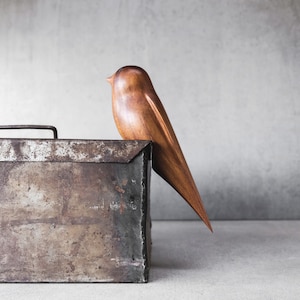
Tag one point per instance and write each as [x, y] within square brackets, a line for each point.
[139, 114]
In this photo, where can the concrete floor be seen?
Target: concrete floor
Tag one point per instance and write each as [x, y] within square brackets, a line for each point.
[240, 260]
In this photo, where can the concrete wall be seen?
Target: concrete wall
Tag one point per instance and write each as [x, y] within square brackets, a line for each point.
[227, 72]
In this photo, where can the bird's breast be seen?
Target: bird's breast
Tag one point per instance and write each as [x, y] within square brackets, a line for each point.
[131, 113]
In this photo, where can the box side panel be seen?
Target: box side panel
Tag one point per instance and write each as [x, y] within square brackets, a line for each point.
[72, 222]
[134, 197]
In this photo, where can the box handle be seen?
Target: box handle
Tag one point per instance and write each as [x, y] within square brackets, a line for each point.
[43, 127]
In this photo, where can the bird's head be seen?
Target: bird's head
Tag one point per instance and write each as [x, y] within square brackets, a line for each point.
[130, 78]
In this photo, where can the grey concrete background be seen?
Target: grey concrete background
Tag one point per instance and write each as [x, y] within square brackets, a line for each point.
[227, 72]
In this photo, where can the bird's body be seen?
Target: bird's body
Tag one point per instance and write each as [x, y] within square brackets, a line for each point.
[140, 115]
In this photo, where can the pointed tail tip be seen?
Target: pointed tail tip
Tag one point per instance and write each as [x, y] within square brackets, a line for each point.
[204, 217]
[207, 223]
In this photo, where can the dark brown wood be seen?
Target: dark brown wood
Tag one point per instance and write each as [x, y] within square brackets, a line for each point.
[139, 114]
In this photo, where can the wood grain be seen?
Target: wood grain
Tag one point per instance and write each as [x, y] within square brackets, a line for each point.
[139, 114]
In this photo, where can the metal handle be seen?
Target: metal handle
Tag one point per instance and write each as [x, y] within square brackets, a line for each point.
[43, 127]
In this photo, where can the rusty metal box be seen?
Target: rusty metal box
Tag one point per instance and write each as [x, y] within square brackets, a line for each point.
[74, 210]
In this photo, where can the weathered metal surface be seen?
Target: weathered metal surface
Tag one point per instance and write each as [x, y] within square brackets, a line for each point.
[69, 150]
[74, 210]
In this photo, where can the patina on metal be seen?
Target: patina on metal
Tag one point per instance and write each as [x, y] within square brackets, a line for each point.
[74, 210]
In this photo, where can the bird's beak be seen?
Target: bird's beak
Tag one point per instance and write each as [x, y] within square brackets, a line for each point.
[110, 79]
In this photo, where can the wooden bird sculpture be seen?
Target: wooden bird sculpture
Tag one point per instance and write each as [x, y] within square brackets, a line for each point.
[140, 115]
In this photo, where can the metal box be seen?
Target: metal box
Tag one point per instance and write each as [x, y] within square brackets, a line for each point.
[74, 210]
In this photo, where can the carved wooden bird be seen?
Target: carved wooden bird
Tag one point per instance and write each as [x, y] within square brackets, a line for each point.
[140, 115]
